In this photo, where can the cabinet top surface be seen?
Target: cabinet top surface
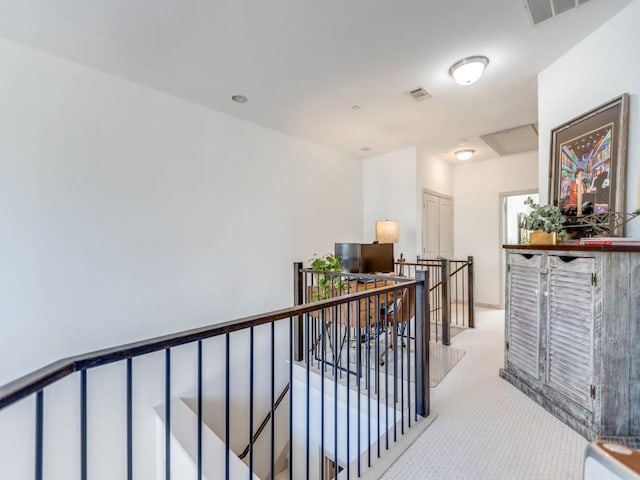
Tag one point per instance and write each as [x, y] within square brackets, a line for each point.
[572, 247]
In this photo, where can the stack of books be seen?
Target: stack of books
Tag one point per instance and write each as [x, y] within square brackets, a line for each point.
[610, 241]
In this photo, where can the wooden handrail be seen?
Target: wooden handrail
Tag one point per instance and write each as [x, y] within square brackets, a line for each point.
[265, 422]
[37, 380]
[435, 264]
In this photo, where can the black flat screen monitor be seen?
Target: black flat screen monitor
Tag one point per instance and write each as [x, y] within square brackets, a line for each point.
[365, 257]
[376, 257]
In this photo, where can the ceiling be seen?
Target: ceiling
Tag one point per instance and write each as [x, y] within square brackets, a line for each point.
[303, 64]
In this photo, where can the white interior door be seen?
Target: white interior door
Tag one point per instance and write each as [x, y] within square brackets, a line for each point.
[437, 226]
[430, 230]
[445, 224]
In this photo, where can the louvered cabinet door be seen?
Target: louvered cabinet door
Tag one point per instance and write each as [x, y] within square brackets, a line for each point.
[523, 312]
[570, 327]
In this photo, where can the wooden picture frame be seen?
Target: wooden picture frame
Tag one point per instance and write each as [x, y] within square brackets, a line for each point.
[587, 171]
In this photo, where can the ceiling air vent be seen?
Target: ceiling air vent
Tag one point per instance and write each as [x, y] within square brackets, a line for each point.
[420, 93]
[541, 10]
[514, 140]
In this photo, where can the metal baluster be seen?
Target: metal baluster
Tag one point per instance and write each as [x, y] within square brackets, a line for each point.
[199, 393]
[273, 400]
[406, 320]
[129, 419]
[291, 358]
[438, 298]
[455, 279]
[377, 314]
[39, 450]
[470, 299]
[323, 358]
[227, 403]
[335, 391]
[348, 443]
[251, 373]
[408, 327]
[308, 355]
[359, 376]
[369, 380]
[167, 414]
[83, 425]
[386, 371]
[298, 299]
[394, 344]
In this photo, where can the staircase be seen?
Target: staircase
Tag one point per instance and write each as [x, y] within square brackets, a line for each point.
[359, 435]
[184, 451]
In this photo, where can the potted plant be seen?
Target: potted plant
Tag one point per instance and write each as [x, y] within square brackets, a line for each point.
[545, 222]
[326, 285]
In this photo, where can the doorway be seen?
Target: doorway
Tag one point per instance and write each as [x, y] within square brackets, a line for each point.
[437, 225]
[512, 209]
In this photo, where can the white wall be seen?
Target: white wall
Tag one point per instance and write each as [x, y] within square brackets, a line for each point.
[389, 194]
[477, 188]
[600, 68]
[126, 214]
[434, 174]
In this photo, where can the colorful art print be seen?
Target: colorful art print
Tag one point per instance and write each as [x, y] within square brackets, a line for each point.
[588, 162]
[585, 164]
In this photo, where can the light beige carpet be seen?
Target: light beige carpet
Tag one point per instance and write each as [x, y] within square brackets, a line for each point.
[485, 428]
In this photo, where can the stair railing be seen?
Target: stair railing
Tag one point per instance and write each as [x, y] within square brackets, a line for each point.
[452, 301]
[373, 355]
[405, 393]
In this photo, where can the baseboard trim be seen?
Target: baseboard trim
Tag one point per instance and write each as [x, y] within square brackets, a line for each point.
[488, 305]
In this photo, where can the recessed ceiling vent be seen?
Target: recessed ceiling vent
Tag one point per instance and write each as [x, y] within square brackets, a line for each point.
[420, 93]
[541, 10]
[514, 140]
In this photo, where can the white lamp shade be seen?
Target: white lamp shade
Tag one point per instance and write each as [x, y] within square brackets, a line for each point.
[387, 231]
[468, 70]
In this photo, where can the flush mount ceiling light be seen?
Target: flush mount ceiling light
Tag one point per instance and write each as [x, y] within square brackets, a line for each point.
[239, 99]
[468, 70]
[464, 154]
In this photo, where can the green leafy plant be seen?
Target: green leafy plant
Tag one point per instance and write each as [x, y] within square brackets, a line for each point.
[548, 218]
[326, 286]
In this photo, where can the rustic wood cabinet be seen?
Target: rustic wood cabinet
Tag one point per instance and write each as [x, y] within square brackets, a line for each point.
[572, 324]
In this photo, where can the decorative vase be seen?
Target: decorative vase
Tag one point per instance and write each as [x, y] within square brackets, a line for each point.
[540, 237]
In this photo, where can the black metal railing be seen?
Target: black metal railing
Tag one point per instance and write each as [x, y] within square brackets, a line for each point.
[369, 345]
[461, 280]
[342, 401]
[451, 301]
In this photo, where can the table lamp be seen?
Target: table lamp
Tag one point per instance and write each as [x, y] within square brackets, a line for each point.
[387, 231]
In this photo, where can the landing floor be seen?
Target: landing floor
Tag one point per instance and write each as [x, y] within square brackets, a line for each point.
[485, 428]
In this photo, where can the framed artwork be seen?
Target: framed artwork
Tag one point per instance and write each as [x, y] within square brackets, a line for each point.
[588, 166]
